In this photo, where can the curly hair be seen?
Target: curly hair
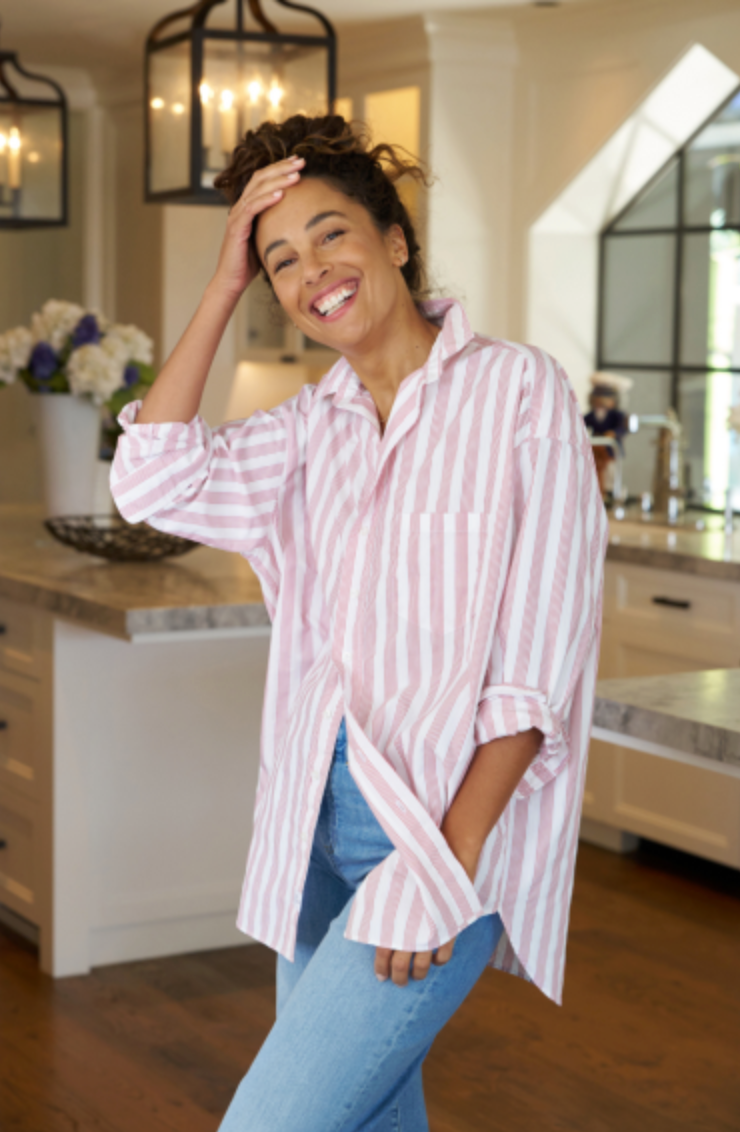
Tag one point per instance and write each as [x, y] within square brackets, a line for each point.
[342, 154]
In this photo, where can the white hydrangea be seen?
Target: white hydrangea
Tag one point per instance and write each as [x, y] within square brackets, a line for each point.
[55, 322]
[15, 350]
[97, 371]
[138, 345]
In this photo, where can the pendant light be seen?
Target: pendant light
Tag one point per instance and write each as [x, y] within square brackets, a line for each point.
[210, 78]
[33, 148]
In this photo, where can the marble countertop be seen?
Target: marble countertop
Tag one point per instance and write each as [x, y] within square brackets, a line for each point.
[697, 713]
[210, 589]
[708, 553]
[205, 589]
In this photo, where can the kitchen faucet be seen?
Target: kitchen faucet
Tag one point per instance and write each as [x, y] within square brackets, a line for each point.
[668, 486]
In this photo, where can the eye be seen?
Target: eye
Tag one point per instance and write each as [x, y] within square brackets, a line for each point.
[283, 263]
[333, 235]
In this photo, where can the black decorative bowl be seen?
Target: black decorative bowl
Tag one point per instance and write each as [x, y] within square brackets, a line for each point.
[110, 536]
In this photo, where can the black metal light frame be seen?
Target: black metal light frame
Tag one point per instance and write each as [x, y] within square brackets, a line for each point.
[10, 95]
[197, 34]
[674, 365]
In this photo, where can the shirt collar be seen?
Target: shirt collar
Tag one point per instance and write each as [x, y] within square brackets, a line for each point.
[455, 335]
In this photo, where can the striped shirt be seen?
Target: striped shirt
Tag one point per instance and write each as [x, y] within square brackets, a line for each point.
[439, 585]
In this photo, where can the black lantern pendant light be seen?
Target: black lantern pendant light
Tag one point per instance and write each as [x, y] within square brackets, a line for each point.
[208, 82]
[33, 148]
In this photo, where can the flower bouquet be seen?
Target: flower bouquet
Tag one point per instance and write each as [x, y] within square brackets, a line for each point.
[70, 350]
[77, 363]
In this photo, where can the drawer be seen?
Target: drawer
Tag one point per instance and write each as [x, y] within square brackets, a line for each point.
[18, 856]
[21, 734]
[21, 649]
[670, 601]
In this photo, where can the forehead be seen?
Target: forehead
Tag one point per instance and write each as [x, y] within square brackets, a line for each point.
[287, 219]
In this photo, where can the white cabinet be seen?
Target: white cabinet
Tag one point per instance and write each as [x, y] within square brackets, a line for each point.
[658, 622]
[128, 773]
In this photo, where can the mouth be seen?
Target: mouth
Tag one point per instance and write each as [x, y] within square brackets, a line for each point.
[336, 301]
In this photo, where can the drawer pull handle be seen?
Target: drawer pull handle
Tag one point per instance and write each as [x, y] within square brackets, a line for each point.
[3, 629]
[3, 725]
[673, 602]
[3, 843]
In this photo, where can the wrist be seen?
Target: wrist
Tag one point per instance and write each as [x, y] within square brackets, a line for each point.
[466, 850]
[223, 293]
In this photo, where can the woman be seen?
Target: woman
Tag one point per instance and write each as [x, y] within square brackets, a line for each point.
[427, 528]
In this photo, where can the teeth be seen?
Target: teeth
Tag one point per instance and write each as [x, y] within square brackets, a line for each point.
[330, 303]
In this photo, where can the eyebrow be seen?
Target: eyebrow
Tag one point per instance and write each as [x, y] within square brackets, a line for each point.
[311, 224]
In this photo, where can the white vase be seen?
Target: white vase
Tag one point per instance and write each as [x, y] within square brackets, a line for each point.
[69, 439]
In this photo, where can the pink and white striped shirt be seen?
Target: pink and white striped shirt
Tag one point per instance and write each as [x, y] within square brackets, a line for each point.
[440, 586]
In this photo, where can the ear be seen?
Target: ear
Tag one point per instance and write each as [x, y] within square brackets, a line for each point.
[397, 246]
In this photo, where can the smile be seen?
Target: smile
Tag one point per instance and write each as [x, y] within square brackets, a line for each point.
[335, 301]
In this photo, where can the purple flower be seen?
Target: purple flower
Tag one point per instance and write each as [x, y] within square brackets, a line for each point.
[130, 375]
[43, 362]
[86, 332]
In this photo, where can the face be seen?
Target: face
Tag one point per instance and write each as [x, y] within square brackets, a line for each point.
[336, 276]
[601, 406]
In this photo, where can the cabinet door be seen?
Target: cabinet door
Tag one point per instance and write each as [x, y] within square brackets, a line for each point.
[689, 807]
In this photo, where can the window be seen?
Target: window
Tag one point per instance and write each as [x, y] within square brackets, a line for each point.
[669, 307]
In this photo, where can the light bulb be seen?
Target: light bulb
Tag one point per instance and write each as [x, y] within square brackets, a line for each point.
[14, 141]
[255, 90]
[227, 99]
[206, 92]
[157, 104]
[275, 95]
[178, 108]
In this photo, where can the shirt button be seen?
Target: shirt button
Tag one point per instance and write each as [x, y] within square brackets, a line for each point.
[315, 776]
[297, 899]
[328, 713]
[347, 656]
[400, 806]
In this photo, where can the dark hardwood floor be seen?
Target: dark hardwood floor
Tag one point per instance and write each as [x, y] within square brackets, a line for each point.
[648, 1039]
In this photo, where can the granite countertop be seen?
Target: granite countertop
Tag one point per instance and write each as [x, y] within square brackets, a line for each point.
[205, 589]
[697, 713]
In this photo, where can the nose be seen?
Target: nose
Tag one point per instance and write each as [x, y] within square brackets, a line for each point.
[314, 270]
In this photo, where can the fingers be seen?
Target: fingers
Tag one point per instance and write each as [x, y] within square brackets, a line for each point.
[270, 181]
[383, 963]
[422, 963]
[443, 954]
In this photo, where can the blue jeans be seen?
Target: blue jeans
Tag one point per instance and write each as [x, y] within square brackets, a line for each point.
[346, 1051]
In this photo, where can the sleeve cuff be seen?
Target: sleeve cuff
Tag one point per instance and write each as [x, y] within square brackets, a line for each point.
[154, 438]
[505, 710]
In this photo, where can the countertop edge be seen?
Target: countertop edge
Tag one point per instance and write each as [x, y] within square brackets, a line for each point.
[678, 561]
[691, 737]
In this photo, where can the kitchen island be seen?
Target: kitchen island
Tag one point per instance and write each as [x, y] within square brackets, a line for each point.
[671, 607]
[130, 711]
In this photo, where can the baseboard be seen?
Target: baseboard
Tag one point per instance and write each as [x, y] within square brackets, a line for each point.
[607, 837]
[131, 942]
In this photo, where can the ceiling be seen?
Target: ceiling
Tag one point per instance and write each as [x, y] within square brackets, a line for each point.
[104, 34]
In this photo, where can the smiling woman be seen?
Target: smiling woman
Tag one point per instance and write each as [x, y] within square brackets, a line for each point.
[428, 531]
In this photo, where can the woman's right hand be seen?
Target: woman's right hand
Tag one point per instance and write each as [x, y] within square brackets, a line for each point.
[237, 263]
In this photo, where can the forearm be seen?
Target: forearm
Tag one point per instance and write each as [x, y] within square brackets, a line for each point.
[491, 779]
[176, 394]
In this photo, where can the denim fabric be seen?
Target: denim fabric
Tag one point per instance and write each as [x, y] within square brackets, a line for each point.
[346, 1051]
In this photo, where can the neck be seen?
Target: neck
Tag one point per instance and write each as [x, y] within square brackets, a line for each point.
[402, 346]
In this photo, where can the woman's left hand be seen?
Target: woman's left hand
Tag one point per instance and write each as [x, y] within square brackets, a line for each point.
[397, 964]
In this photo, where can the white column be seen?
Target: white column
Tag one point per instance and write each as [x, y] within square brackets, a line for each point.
[191, 242]
[473, 65]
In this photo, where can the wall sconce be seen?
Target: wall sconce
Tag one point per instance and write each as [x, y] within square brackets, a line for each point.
[33, 148]
[209, 81]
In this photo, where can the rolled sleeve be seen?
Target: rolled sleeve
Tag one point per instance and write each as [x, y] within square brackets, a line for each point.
[505, 711]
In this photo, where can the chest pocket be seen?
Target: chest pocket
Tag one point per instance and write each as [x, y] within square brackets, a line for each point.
[440, 557]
